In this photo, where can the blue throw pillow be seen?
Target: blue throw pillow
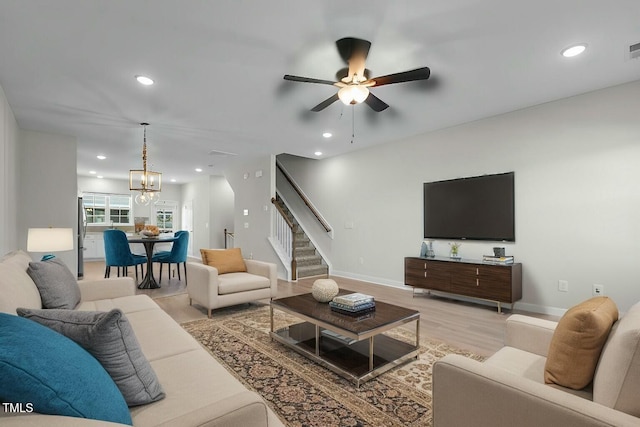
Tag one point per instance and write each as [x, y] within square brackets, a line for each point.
[54, 374]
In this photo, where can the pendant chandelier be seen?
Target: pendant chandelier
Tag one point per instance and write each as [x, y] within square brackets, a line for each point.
[147, 182]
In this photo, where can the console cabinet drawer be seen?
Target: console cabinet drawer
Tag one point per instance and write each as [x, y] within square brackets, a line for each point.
[427, 275]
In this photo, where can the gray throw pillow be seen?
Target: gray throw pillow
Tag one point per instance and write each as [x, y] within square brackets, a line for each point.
[111, 340]
[57, 285]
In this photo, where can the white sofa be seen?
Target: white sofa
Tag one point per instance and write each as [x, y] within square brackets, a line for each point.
[508, 389]
[212, 290]
[199, 390]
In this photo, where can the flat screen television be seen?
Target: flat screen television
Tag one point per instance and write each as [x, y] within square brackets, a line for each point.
[476, 208]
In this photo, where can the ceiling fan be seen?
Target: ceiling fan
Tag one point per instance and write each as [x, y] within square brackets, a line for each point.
[354, 81]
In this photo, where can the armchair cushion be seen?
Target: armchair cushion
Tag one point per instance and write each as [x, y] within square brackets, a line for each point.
[57, 285]
[241, 282]
[224, 260]
[577, 343]
[109, 337]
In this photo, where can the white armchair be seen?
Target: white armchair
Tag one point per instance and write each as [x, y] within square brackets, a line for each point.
[508, 389]
[212, 290]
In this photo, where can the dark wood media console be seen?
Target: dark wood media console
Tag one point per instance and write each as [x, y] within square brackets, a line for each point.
[469, 278]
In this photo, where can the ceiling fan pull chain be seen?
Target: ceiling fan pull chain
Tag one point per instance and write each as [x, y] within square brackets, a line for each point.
[353, 123]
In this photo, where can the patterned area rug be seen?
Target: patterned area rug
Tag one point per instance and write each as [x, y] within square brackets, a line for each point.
[303, 393]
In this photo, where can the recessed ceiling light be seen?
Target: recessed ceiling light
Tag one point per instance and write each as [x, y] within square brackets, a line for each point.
[92, 172]
[100, 176]
[327, 134]
[318, 153]
[144, 80]
[173, 180]
[198, 170]
[101, 156]
[574, 50]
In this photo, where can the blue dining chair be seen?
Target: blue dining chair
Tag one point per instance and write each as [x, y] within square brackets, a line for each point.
[177, 255]
[118, 254]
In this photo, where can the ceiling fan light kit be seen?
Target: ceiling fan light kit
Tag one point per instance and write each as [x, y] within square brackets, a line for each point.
[354, 87]
[353, 94]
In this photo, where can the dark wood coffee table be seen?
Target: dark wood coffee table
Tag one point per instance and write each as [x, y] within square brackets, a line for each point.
[353, 347]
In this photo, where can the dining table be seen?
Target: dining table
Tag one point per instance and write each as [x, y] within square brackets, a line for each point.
[149, 281]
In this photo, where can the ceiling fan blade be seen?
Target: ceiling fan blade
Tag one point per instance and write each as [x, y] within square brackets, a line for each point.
[349, 46]
[406, 76]
[324, 104]
[307, 80]
[376, 103]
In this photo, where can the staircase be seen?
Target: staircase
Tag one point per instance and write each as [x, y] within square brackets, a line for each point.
[309, 262]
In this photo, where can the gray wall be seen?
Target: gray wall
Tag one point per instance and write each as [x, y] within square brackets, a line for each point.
[576, 164]
[49, 195]
[197, 193]
[253, 184]
[8, 177]
[221, 202]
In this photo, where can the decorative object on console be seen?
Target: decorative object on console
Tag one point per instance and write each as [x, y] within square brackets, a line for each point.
[498, 252]
[147, 182]
[426, 250]
[323, 290]
[454, 253]
[49, 240]
[423, 249]
[500, 260]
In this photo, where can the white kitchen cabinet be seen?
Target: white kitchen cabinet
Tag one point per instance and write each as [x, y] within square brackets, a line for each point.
[93, 246]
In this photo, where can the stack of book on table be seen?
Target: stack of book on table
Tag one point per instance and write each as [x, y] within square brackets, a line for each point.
[353, 304]
[503, 260]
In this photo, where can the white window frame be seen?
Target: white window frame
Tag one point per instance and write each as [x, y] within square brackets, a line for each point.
[165, 206]
[107, 208]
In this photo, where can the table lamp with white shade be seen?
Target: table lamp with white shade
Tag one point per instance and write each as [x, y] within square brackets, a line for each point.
[49, 240]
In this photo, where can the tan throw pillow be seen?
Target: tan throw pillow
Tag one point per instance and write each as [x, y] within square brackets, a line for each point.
[577, 343]
[225, 260]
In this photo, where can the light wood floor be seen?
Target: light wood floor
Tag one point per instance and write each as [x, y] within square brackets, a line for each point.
[475, 327]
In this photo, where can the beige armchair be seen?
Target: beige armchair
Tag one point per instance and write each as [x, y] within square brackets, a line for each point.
[212, 290]
[508, 389]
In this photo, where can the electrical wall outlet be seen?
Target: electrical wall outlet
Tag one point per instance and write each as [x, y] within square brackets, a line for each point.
[563, 286]
[598, 290]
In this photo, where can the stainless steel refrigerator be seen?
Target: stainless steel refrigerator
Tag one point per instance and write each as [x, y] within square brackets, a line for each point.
[82, 230]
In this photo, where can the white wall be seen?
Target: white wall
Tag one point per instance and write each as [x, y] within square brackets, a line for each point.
[197, 193]
[253, 184]
[48, 199]
[8, 177]
[577, 169]
[221, 205]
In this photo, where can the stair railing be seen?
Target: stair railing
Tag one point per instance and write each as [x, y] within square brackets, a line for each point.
[285, 234]
[228, 235]
[304, 198]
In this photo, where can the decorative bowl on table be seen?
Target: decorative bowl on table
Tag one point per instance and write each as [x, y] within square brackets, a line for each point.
[148, 233]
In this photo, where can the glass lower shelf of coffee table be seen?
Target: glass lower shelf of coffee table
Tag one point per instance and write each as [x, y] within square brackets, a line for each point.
[357, 347]
[347, 357]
